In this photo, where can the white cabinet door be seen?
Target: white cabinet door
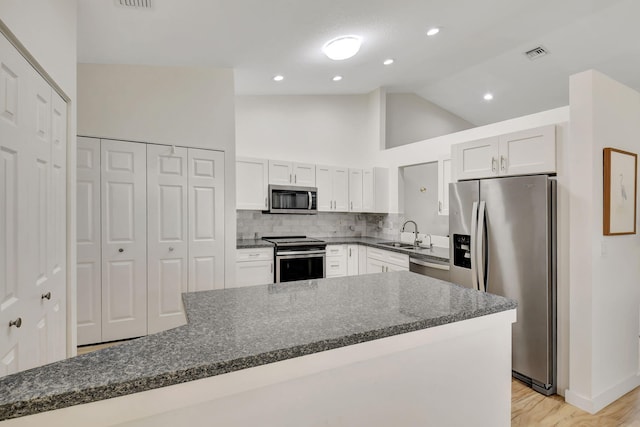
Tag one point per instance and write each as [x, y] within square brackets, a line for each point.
[124, 240]
[340, 189]
[304, 174]
[15, 251]
[252, 184]
[251, 273]
[394, 267]
[353, 260]
[375, 266]
[444, 179]
[167, 246]
[206, 219]
[476, 159]
[355, 190]
[324, 182]
[528, 152]
[88, 238]
[280, 173]
[375, 190]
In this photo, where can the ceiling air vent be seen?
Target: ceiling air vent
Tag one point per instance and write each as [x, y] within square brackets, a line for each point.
[536, 53]
[142, 4]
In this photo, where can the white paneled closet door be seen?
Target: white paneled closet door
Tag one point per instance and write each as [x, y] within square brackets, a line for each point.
[88, 234]
[124, 239]
[167, 249]
[14, 224]
[206, 219]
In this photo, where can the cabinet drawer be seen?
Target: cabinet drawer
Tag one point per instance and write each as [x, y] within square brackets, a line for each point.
[257, 254]
[401, 260]
[336, 250]
[336, 266]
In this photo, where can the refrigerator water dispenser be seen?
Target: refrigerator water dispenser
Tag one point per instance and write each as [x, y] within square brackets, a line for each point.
[462, 250]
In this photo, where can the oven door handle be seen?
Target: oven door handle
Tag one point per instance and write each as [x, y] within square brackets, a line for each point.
[297, 254]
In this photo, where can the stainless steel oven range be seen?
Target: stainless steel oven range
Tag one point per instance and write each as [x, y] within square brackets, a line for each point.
[298, 258]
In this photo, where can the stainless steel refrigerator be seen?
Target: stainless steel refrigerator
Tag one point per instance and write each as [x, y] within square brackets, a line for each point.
[503, 241]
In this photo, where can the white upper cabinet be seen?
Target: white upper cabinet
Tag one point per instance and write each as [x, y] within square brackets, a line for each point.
[355, 190]
[476, 159]
[288, 173]
[375, 190]
[333, 188]
[520, 153]
[444, 178]
[527, 152]
[252, 184]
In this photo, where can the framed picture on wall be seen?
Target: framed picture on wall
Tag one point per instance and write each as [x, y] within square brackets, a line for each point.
[620, 193]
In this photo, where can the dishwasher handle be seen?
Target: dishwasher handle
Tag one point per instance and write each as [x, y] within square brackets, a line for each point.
[429, 264]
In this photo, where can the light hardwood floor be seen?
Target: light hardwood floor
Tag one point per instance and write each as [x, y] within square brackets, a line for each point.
[531, 409]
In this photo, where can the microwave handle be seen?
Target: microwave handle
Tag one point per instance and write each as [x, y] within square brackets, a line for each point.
[310, 199]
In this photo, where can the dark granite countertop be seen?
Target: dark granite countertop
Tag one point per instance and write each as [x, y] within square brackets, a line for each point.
[238, 328]
[435, 253]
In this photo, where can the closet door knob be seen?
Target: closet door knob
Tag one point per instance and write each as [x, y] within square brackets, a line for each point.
[120, 250]
[46, 296]
[17, 323]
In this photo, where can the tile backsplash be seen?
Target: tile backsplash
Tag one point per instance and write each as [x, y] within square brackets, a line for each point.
[255, 224]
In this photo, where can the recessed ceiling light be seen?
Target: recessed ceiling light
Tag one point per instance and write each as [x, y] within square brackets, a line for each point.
[488, 96]
[433, 31]
[337, 78]
[388, 61]
[278, 78]
[342, 47]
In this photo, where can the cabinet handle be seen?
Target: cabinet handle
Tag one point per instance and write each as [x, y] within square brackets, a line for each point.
[170, 248]
[254, 254]
[351, 205]
[17, 323]
[349, 252]
[503, 163]
[120, 250]
[272, 267]
[493, 164]
[295, 178]
[266, 202]
[46, 296]
[440, 207]
[290, 179]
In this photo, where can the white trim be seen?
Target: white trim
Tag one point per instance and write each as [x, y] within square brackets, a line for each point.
[605, 398]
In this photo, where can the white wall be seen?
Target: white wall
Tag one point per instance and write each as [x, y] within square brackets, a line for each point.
[411, 118]
[48, 31]
[191, 107]
[323, 129]
[605, 271]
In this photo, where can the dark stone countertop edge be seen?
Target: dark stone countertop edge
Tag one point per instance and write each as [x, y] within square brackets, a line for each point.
[136, 385]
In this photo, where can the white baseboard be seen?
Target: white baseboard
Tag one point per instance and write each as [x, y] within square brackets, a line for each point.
[603, 399]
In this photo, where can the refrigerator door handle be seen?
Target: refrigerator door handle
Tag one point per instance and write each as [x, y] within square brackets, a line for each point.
[480, 247]
[472, 250]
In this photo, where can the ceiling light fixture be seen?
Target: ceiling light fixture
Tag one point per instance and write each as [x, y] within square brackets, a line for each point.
[278, 78]
[337, 78]
[388, 61]
[488, 96]
[342, 47]
[433, 31]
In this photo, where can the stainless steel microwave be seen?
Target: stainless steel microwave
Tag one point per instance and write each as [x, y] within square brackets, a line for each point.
[293, 200]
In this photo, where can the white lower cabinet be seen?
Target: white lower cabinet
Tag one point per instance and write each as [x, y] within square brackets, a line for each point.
[150, 227]
[336, 262]
[254, 267]
[353, 260]
[382, 261]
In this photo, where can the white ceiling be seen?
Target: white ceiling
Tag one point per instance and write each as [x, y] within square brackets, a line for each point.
[479, 49]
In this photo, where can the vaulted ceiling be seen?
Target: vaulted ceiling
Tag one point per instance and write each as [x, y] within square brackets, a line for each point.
[479, 49]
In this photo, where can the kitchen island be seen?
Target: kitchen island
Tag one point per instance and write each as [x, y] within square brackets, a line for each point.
[378, 349]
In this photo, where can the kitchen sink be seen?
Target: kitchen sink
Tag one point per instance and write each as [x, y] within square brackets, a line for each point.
[401, 245]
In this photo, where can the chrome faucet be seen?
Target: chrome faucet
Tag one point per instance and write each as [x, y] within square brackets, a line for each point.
[416, 241]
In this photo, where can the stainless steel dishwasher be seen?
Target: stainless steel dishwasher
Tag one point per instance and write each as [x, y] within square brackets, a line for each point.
[431, 268]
